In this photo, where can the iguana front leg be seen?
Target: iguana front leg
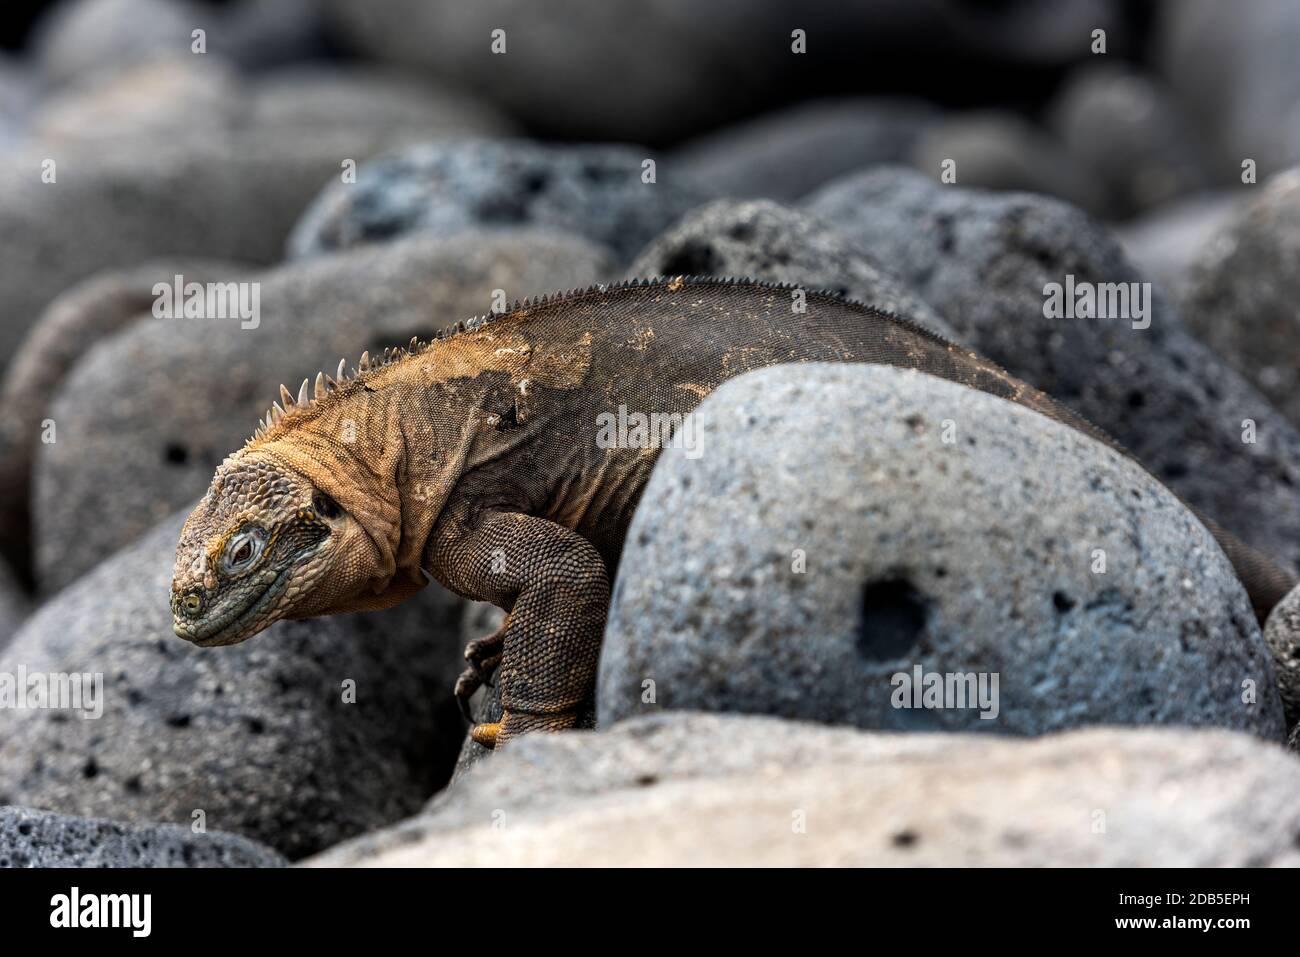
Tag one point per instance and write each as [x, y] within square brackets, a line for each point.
[554, 584]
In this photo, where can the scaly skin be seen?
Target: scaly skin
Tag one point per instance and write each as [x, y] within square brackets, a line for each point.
[474, 458]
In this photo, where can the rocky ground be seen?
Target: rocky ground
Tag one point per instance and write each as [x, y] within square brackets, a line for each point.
[379, 173]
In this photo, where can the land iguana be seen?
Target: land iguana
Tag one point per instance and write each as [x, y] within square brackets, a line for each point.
[473, 457]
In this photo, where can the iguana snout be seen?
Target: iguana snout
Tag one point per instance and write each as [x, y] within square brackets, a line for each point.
[262, 545]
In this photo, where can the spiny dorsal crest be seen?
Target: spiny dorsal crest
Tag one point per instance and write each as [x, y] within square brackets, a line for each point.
[310, 393]
[325, 385]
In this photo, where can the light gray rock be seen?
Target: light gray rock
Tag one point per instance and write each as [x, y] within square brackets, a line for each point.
[787, 154]
[764, 240]
[983, 262]
[1000, 150]
[712, 790]
[178, 95]
[1233, 68]
[1282, 633]
[1243, 292]
[1127, 127]
[77, 38]
[446, 188]
[258, 736]
[32, 838]
[75, 321]
[1164, 243]
[315, 96]
[828, 539]
[144, 418]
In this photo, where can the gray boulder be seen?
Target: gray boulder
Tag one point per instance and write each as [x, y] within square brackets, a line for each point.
[851, 531]
[787, 154]
[220, 191]
[74, 322]
[258, 737]
[1243, 292]
[32, 838]
[984, 261]
[179, 95]
[764, 240]
[447, 188]
[693, 789]
[145, 417]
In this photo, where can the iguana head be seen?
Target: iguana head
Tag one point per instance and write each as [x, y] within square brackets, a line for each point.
[262, 545]
[299, 522]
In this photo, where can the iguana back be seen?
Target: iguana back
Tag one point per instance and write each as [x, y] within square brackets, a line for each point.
[661, 346]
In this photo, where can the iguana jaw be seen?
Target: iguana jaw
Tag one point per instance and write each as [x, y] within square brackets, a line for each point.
[239, 622]
[265, 543]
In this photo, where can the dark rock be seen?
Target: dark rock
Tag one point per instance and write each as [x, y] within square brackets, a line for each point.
[735, 790]
[18, 89]
[946, 530]
[763, 240]
[984, 261]
[657, 71]
[482, 618]
[616, 70]
[998, 150]
[145, 418]
[1037, 33]
[1243, 292]
[787, 154]
[260, 34]
[446, 188]
[13, 604]
[259, 736]
[32, 838]
[1127, 127]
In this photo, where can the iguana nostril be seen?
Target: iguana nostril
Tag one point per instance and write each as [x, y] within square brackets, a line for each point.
[191, 604]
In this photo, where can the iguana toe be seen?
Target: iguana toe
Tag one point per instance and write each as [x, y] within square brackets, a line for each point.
[486, 734]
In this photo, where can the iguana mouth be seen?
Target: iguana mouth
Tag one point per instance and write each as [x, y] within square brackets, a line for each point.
[230, 627]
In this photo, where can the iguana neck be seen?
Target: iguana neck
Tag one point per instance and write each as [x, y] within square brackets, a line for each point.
[354, 451]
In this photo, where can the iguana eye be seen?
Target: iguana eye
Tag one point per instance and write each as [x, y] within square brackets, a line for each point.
[325, 506]
[243, 549]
